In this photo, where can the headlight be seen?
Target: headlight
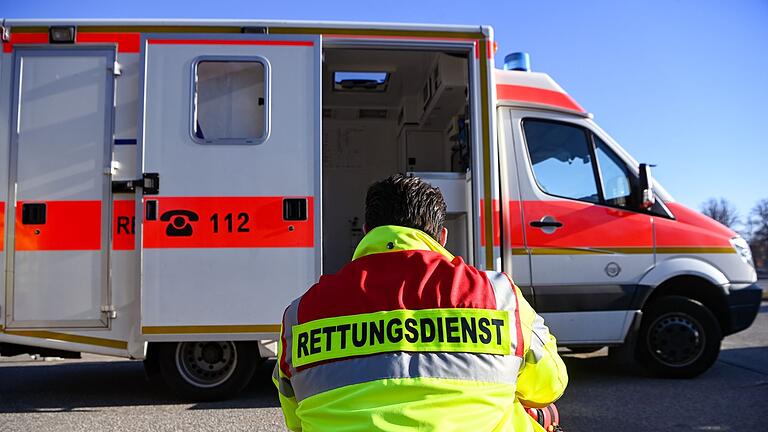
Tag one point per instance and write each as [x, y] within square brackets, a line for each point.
[742, 248]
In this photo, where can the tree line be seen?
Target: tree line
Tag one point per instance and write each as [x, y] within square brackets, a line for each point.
[753, 227]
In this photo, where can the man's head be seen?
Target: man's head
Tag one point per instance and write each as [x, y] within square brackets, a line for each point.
[406, 201]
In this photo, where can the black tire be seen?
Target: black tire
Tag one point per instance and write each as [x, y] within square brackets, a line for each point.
[679, 338]
[207, 371]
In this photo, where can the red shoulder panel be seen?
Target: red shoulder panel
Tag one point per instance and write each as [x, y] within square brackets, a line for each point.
[413, 279]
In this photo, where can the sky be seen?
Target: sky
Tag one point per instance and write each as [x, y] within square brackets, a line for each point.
[682, 84]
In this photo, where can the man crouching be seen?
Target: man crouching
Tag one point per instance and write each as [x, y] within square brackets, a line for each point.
[408, 337]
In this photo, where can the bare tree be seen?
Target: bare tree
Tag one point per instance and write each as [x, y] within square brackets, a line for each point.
[721, 210]
[757, 231]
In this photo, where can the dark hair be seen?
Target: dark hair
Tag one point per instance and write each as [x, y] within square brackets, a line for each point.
[405, 201]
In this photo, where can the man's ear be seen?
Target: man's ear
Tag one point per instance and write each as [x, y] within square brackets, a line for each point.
[444, 237]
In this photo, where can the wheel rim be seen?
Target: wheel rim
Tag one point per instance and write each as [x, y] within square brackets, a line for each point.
[676, 339]
[206, 364]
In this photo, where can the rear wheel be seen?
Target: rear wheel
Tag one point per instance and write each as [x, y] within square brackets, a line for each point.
[679, 338]
[205, 371]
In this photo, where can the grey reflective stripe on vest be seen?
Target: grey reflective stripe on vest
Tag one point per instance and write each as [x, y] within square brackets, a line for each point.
[283, 384]
[505, 292]
[462, 366]
[290, 319]
[506, 299]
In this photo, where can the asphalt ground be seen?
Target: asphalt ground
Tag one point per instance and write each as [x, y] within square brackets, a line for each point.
[104, 394]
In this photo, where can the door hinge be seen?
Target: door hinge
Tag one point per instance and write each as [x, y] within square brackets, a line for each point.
[110, 311]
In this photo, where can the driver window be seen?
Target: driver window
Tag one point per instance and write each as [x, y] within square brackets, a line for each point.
[616, 179]
[561, 159]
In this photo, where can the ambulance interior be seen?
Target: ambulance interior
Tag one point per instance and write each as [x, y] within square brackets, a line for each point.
[393, 111]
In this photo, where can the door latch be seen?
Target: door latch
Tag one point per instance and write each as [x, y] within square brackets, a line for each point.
[149, 184]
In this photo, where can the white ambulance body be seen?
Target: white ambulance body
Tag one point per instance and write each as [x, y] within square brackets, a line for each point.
[172, 186]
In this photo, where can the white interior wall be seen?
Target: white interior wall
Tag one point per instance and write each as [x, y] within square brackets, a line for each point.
[355, 154]
[424, 149]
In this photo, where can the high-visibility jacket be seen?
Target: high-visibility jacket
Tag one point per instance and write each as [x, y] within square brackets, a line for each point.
[407, 337]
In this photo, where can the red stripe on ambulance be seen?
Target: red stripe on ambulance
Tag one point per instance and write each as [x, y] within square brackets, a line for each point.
[126, 42]
[227, 222]
[536, 95]
[25, 38]
[69, 225]
[586, 225]
[494, 223]
[690, 229]
[124, 225]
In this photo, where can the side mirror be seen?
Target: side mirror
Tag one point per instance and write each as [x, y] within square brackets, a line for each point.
[647, 198]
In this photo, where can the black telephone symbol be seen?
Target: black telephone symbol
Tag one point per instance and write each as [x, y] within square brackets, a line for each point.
[179, 226]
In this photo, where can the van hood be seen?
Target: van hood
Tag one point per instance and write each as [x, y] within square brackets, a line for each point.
[713, 231]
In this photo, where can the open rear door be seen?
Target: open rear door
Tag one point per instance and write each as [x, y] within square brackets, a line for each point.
[231, 126]
[59, 197]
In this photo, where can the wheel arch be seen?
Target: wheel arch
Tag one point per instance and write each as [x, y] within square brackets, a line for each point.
[697, 287]
[685, 266]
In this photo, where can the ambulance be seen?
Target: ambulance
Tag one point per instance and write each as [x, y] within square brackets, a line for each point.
[169, 186]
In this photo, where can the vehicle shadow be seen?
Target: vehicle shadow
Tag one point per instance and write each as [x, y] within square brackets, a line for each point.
[87, 386]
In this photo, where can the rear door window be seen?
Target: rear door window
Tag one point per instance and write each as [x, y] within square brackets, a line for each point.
[230, 101]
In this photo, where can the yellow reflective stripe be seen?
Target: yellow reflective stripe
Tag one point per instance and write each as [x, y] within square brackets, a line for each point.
[66, 337]
[481, 331]
[576, 251]
[695, 250]
[35, 29]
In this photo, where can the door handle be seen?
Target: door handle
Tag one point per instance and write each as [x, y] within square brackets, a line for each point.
[544, 224]
[547, 224]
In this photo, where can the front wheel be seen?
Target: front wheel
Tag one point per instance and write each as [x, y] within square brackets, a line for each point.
[206, 371]
[679, 338]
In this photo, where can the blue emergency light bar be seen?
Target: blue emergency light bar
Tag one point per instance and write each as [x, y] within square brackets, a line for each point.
[519, 61]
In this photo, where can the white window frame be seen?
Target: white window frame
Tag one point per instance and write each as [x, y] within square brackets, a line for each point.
[267, 101]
